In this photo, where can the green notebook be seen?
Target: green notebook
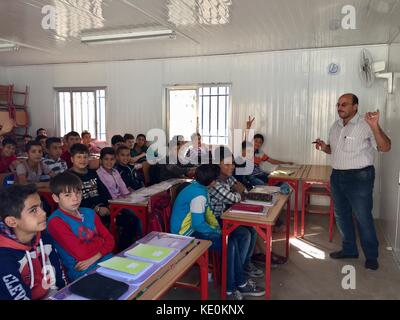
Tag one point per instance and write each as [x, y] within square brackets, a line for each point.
[149, 252]
[126, 265]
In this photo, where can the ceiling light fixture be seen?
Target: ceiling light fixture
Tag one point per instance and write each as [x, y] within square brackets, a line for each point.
[125, 36]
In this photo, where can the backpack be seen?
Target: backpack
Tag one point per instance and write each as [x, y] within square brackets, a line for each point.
[159, 212]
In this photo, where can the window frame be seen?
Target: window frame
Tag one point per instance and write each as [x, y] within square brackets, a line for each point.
[166, 103]
[72, 90]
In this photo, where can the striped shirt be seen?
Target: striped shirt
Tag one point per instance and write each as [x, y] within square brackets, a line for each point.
[352, 145]
[57, 166]
[222, 196]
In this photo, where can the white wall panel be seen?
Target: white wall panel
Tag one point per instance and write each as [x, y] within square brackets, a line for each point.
[390, 216]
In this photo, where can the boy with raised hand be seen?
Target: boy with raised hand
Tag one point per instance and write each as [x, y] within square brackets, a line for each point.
[80, 237]
[30, 267]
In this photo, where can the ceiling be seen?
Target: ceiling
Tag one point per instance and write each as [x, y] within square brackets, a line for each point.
[203, 27]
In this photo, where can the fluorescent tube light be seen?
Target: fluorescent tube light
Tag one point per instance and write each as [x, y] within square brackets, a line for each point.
[127, 36]
[8, 47]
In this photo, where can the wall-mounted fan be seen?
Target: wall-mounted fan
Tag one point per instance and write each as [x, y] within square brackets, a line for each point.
[366, 72]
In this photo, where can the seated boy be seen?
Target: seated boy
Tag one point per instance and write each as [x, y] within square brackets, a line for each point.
[87, 141]
[8, 160]
[42, 140]
[80, 238]
[171, 167]
[132, 179]
[29, 266]
[192, 216]
[53, 161]
[198, 150]
[227, 191]
[70, 139]
[117, 140]
[95, 195]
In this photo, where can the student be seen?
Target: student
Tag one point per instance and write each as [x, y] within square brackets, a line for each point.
[198, 150]
[95, 196]
[87, 141]
[26, 138]
[132, 179]
[53, 161]
[246, 162]
[192, 216]
[227, 191]
[116, 141]
[170, 166]
[8, 160]
[42, 139]
[138, 152]
[30, 267]
[129, 140]
[32, 170]
[70, 138]
[117, 188]
[80, 237]
[21, 148]
[41, 132]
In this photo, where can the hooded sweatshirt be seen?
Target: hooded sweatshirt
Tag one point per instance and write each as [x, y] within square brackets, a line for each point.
[22, 267]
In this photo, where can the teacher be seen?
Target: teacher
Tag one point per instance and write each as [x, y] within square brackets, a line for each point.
[352, 142]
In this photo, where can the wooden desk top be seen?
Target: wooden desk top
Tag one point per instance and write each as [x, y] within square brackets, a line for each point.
[164, 279]
[317, 173]
[270, 218]
[123, 201]
[298, 173]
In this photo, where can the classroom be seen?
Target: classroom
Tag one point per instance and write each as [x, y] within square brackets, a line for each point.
[199, 150]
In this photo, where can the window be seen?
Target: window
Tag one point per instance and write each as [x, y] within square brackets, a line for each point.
[203, 109]
[82, 109]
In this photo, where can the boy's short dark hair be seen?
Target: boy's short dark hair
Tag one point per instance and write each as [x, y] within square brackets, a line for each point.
[120, 148]
[65, 182]
[38, 130]
[259, 136]
[105, 151]
[206, 174]
[31, 144]
[141, 135]
[40, 137]
[71, 134]
[52, 140]
[9, 140]
[84, 133]
[222, 153]
[79, 148]
[12, 200]
[116, 139]
[128, 136]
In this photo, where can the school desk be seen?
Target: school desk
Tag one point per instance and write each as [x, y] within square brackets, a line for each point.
[160, 282]
[263, 225]
[317, 175]
[140, 208]
[293, 180]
